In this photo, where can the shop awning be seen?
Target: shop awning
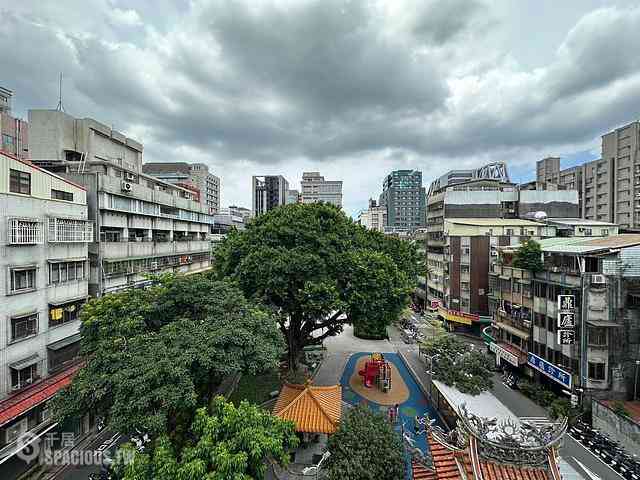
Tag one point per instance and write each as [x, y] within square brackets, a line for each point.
[513, 330]
[25, 362]
[64, 260]
[603, 323]
[65, 342]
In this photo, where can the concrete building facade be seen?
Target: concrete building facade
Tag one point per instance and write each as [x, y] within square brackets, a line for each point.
[14, 132]
[143, 224]
[184, 174]
[314, 189]
[268, 192]
[44, 237]
[404, 199]
[374, 217]
[600, 276]
[610, 186]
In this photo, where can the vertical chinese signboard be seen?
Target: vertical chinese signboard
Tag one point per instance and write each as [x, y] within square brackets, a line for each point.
[566, 319]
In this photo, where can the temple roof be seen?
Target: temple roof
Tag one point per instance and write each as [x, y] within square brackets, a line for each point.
[313, 409]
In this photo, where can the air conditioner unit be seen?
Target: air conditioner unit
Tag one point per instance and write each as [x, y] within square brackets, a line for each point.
[154, 265]
[126, 187]
[130, 176]
[555, 269]
[189, 259]
[598, 279]
[494, 253]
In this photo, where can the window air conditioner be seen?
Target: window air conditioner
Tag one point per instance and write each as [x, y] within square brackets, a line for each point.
[130, 176]
[598, 279]
[126, 187]
[154, 265]
[494, 253]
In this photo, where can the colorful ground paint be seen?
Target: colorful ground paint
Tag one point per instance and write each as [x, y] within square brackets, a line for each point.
[416, 404]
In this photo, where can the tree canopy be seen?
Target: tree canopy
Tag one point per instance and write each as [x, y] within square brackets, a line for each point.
[153, 356]
[365, 447]
[311, 264]
[227, 443]
[458, 366]
[529, 257]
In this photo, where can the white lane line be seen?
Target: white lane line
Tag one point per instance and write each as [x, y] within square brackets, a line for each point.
[594, 455]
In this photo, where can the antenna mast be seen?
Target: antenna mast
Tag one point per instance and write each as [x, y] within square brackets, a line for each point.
[60, 107]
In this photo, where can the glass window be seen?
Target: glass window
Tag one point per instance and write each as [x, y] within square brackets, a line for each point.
[60, 195]
[22, 378]
[19, 182]
[23, 279]
[596, 371]
[59, 314]
[22, 327]
[597, 336]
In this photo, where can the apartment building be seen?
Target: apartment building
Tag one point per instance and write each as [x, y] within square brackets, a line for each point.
[14, 132]
[458, 276]
[577, 322]
[268, 192]
[243, 212]
[404, 199]
[44, 236]
[189, 175]
[610, 186]
[314, 189]
[374, 217]
[143, 224]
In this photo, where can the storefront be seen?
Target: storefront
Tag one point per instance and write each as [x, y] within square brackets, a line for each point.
[508, 356]
[470, 322]
[549, 370]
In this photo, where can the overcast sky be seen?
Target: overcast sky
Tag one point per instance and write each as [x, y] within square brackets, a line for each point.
[353, 89]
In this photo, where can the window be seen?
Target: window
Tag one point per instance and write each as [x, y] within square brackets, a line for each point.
[596, 371]
[60, 195]
[23, 377]
[60, 357]
[22, 279]
[605, 232]
[25, 231]
[597, 336]
[8, 139]
[69, 230]
[22, 327]
[66, 272]
[14, 431]
[60, 314]
[19, 182]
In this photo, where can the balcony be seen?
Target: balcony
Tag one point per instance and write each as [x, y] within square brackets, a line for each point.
[124, 250]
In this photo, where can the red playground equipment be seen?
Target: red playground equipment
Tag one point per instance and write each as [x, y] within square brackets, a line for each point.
[377, 370]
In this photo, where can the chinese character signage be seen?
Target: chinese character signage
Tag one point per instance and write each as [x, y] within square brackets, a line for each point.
[566, 320]
[566, 303]
[566, 337]
[549, 369]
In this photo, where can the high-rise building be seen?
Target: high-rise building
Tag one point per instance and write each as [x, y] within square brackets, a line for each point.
[45, 233]
[404, 198]
[14, 132]
[268, 192]
[293, 196]
[373, 218]
[187, 174]
[316, 189]
[610, 186]
[143, 224]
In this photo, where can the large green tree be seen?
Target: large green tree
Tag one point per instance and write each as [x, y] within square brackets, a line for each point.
[225, 443]
[155, 355]
[529, 256]
[311, 264]
[365, 447]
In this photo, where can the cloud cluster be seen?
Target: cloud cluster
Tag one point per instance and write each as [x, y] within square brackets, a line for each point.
[352, 88]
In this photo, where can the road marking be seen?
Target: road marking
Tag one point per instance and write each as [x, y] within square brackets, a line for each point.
[593, 455]
[590, 474]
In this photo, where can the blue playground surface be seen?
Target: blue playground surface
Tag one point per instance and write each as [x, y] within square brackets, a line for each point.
[416, 404]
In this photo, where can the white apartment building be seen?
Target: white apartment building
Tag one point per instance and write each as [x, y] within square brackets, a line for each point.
[316, 189]
[143, 224]
[44, 236]
[374, 218]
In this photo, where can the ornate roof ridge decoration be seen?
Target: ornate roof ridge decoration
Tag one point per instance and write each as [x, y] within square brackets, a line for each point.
[510, 441]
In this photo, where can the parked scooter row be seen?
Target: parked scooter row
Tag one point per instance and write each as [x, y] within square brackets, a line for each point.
[509, 379]
[608, 450]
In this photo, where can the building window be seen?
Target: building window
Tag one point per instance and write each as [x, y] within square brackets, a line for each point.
[14, 431]
[25, 231]
[24, 376]
[60, 314]
[60, 195]
[596, 371]
[23, 327]
[61, 272]
[68, 230]
[60, 357]
[597, 336]
[19, 182]
[22, 279]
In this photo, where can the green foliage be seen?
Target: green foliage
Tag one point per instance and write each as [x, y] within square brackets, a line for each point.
[227, 443]
[154, 355]
[529, 257]
[256, 388]
[365, 447]
[458, 366]
[312, 264]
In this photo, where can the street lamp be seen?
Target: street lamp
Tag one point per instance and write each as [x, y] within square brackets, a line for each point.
[431, 359]
[316, 468]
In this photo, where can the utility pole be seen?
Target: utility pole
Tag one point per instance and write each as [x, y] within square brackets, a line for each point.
[635, 383]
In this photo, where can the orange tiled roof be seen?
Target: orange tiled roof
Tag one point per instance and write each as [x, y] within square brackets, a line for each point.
[312, 409]
[422, 473]
[449, 463]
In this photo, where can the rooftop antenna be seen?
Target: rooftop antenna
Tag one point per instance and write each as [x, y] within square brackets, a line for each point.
[60, 107]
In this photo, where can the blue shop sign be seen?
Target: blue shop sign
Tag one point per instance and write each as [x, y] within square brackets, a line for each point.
[549, 369]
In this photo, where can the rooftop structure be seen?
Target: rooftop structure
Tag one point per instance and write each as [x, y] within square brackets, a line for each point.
[313, 409]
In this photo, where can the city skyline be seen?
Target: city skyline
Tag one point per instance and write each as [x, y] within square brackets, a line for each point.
[201, 109]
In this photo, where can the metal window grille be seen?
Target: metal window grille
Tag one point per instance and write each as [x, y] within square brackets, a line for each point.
[25, 231]
[67, 230]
